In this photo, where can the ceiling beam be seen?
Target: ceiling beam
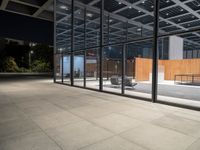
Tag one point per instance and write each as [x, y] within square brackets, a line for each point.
[4, 4]
[42, 8]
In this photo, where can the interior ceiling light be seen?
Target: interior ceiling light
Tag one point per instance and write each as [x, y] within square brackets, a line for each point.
[167, 1]
[181, 9]
[63, 7]
[119, 3]
[129, 7]
[89, 15]
[167, 14]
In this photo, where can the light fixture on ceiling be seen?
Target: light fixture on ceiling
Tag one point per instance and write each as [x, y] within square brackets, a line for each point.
[167, 1]
[64, 7]
[89, 15]
[167, 14]
[119, 3]
[129, 7]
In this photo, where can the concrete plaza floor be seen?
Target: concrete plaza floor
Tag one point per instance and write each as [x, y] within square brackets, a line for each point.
[36, 114]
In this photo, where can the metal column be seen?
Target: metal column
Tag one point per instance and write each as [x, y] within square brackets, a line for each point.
[101, 47]
[155, 52]
[72, 44]
[84, 47]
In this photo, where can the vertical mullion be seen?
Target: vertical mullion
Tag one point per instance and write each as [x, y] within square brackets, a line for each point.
[108, 29]
[124, 62]
[62, 66]
[85, 47]
[54, 60]
[72, 43]
[101, 47]
[155, 52]
[123, 66]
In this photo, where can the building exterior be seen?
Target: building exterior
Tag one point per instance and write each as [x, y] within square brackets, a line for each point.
[146, 49]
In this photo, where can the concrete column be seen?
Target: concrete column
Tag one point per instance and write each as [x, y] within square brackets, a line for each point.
[175, 47]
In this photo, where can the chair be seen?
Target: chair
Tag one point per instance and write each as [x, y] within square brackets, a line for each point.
[115, 80]
[128, 82]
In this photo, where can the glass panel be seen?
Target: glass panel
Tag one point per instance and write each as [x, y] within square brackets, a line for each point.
[92, 68]
[112, 68]
[178, 16]
[63, 26]
[58, 67]
[139, 15]
[79, 68]
[138, 69]
[79, 28]
[92, 28]
[66, 68]
[178, 73]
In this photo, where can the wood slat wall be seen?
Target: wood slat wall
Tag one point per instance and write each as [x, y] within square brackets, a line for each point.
[171, 67]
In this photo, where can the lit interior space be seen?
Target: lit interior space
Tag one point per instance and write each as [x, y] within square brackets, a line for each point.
[137, 48]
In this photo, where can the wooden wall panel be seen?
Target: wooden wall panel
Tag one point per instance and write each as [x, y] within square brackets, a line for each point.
[143, 68]
[171, 67]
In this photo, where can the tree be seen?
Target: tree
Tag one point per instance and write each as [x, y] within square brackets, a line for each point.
[9, 65]
[40, 66]
[43, 53]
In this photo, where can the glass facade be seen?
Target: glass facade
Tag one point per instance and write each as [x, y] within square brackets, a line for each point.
[148, 49]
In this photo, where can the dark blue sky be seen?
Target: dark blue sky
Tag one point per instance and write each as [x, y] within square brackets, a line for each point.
[25, 28]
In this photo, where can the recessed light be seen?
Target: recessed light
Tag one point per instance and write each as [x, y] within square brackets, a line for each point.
[64, 7]
[139, 11]
[167, 14]
[181, 9]
[119, 3]
[89, 15]
[129, 7]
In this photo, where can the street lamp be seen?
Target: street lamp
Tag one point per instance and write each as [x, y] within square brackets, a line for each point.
[30, 53]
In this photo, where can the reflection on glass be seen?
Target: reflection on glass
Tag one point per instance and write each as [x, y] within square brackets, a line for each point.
[179, 74]
[112, 68]
[58, 67]
[92, 68]
[66, 68]
[79, 69]
[138, 69]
